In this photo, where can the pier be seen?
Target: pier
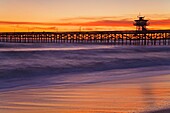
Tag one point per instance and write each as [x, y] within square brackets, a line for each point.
[140, 36]
[150, 37]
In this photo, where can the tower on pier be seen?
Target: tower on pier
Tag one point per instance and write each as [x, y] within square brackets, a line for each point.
[141, 23]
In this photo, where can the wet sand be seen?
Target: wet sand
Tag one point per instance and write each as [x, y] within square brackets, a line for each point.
[144, 94]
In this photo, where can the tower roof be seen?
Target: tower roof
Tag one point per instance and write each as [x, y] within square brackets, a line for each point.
[141, 23]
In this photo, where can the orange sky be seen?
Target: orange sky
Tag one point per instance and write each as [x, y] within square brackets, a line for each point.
[73, 15]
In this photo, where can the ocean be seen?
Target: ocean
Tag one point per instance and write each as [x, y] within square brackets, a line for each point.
[83, 78]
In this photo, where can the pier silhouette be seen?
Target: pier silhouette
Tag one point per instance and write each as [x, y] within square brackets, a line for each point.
[140, 36]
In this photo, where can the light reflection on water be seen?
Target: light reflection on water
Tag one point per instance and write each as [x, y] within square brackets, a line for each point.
[145, 94]
[52, 48]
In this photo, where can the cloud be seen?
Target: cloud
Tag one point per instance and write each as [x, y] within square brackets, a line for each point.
[92, 23]
[34, 28]
[92, 18]
[98, 23]
[109, 23]
[164, 22]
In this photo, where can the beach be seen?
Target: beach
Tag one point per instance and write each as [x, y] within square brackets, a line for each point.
[83, 78]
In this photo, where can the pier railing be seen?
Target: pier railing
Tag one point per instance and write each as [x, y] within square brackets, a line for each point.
[151, 37]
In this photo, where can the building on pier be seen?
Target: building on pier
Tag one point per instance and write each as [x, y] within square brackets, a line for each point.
[141, 24]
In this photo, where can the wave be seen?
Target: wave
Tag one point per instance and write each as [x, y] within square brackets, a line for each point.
[29, 66]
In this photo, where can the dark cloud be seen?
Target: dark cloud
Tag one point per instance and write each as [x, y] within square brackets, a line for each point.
[106, 23]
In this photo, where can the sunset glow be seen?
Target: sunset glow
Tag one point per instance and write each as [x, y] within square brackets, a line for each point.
[85, 15]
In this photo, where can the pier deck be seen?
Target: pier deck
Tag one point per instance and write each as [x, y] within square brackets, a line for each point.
[150, 37]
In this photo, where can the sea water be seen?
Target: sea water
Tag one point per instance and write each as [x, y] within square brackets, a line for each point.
[83, 78]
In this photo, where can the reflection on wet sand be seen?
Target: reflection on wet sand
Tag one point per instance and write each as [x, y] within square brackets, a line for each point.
[126, 96]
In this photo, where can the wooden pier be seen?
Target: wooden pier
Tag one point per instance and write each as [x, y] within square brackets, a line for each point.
[150, 37]
[140, 36]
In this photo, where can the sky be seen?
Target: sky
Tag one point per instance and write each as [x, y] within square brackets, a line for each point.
[74, 15]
